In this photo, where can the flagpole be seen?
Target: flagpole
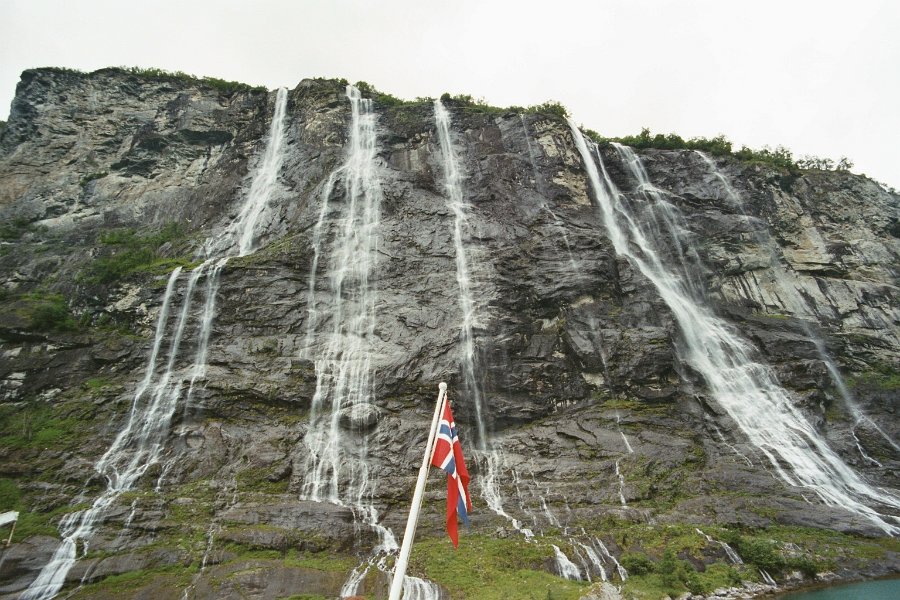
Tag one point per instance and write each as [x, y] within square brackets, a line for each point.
[406, 548]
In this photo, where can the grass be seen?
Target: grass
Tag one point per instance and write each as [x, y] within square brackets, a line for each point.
[489, 568]
[882, 378]
[38, 425]
[14, 229]
[44, 311]
[130, 252]
[30, 523]
[175, 576]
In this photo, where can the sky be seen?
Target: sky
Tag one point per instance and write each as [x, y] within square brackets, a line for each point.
[819, 77]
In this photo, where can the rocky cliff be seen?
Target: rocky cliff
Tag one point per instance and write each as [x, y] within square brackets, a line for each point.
[604, 445]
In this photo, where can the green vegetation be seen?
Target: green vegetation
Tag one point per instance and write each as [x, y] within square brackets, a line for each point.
[661, 559]
[16, 228]
[45, 312]
[175, 576]
[257, 480]
[383, 99]
[780, 157]
[672, 577]
[221, 85]
[133, 253]
[883, 378]
[491, 569]
[30, 523]
[226, 87]
[467, 102]
[37, 425]
[464, 102]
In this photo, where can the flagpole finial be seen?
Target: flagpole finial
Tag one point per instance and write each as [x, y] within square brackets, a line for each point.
[442, 386]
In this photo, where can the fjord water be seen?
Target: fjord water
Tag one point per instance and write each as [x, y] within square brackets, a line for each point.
[140, 444]
[883, 589]
[743, 386]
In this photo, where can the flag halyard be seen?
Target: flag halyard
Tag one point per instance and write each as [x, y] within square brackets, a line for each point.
[448, 456]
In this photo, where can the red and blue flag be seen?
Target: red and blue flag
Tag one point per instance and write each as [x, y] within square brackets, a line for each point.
[448, 456]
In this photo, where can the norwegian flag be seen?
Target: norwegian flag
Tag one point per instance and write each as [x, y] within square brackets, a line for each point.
[448, 456]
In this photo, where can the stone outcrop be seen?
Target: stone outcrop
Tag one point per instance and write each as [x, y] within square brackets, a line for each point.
[576, 353]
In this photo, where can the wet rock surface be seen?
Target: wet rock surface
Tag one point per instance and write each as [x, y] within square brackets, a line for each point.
[578, 356]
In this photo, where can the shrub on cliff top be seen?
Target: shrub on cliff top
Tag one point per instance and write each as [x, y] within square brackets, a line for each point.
[779, 157]
[214, 82]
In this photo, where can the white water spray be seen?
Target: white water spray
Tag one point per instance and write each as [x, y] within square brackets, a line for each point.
[456, 203]
[745, 388]
[140, 444]
[337, 469]
[729, 551]
[566, 568]
[800, 309]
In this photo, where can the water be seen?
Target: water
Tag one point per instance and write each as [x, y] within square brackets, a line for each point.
[336, 468]
[622, 433]
[456, 202]
[884, 589]
[744, 387]
[141, 442]
[729, 551]
[488, 458]
[565, 567]
[340, 336]
[621, 479]
[793, 302]
[415, 588]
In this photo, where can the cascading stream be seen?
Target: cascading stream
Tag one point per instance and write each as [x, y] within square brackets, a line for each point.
[746, 389]
[488, 457]
[336, 469]
[344, 320]
[141, 442]
[794, 303]
[456, 202]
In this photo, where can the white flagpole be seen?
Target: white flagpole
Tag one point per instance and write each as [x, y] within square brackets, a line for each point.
[406, 548]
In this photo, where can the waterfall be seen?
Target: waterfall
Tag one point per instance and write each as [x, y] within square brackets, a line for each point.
[746, 389]
[456, 203]
[794, 303]
[729, 551]
[340, 334]
[415, 588]
[566, 568]
[489, 458]
[621, 479]
[141, 442]
[336, 469]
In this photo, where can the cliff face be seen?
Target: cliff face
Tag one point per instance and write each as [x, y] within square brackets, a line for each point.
[595, 417]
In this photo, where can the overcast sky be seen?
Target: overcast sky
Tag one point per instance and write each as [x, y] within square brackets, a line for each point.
[820, 77]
